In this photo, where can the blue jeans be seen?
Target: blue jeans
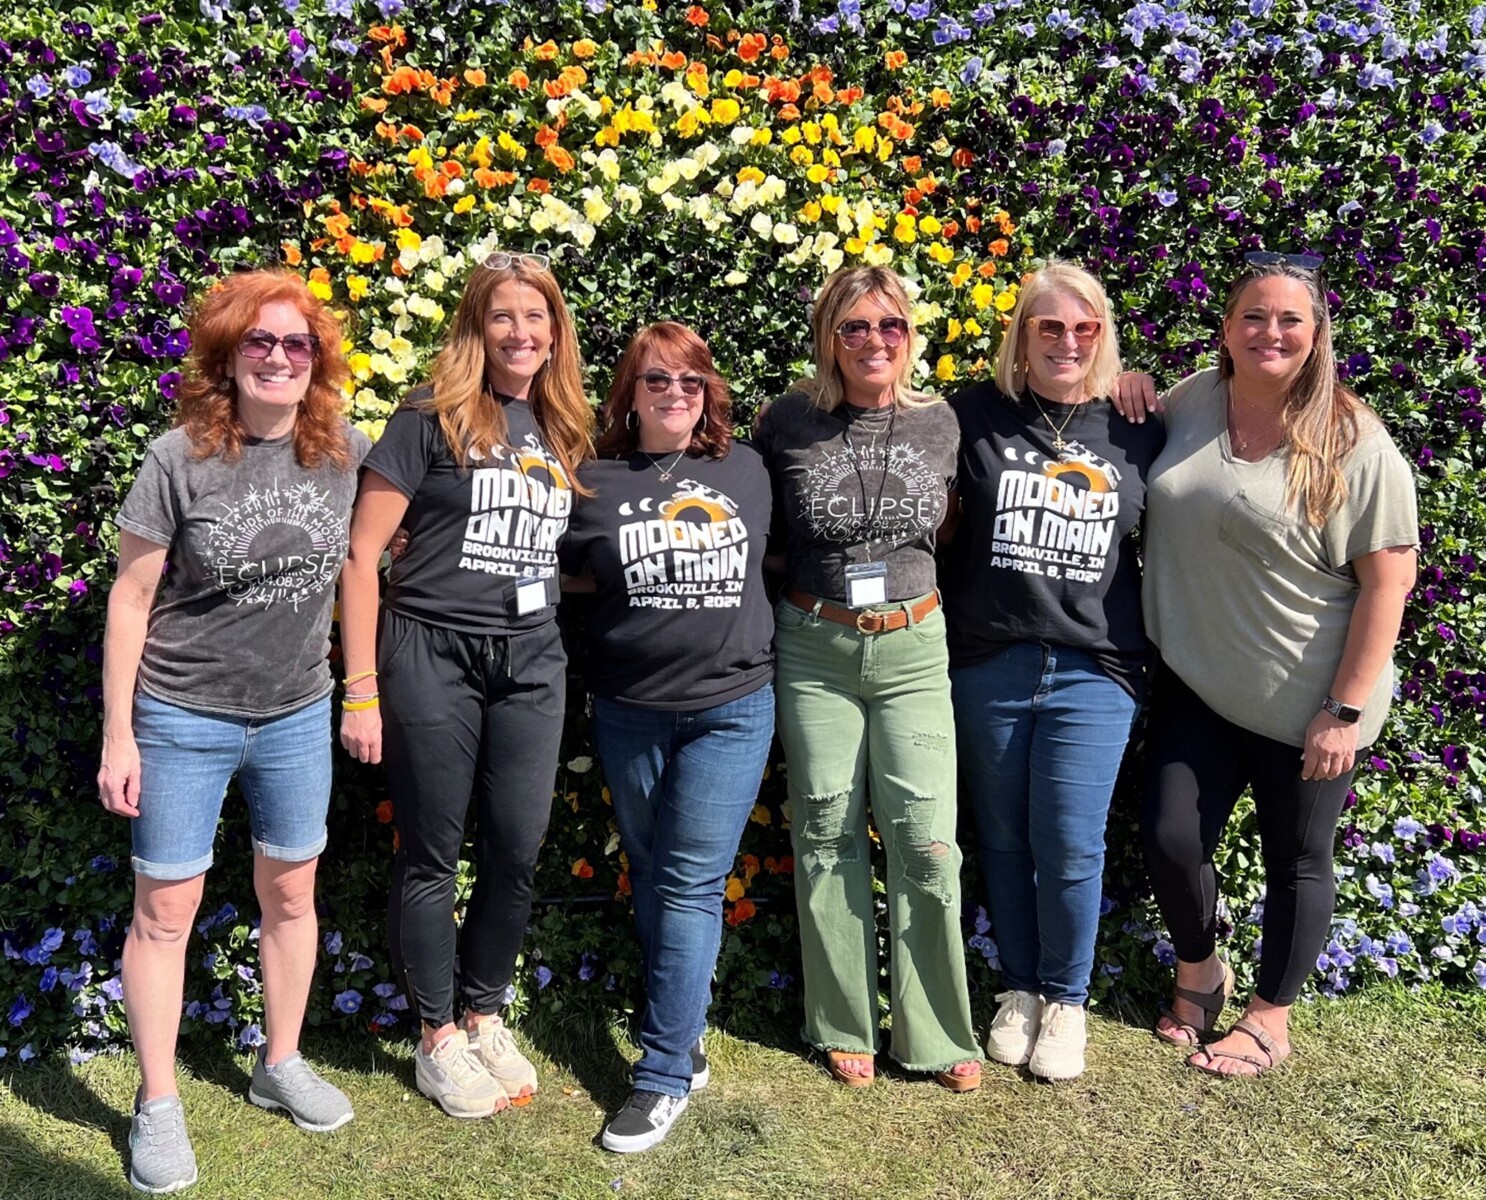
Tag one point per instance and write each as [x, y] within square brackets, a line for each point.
[683, 786]
[188, 757]
[1041, 732]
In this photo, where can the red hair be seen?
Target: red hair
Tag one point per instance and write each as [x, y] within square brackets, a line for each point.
[207, 408]
[674, 342]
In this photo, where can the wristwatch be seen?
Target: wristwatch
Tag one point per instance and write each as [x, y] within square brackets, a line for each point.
[1346, 713]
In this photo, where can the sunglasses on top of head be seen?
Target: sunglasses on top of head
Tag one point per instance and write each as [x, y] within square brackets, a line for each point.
[657, 383]
[502, 260]
[1050, 329]
[1273, 258]
[299, 348]
[854, 334]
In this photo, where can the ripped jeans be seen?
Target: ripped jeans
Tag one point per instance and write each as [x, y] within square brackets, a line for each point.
[868, 718]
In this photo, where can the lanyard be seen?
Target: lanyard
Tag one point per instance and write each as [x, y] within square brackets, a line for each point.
[865, 524]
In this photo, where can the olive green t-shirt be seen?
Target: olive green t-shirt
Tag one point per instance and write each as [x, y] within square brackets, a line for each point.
[1248, 603]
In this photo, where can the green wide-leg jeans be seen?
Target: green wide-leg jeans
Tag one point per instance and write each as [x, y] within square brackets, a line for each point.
[867, 718]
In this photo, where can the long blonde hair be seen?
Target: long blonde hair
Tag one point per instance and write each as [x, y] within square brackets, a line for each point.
[840, 292]
[558, 404]
[1322, 419]
[1011, 356]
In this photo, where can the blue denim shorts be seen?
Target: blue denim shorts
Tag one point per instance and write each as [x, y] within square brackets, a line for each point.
[186, 760]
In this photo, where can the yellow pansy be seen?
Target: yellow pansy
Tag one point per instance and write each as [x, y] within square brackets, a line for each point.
[750, 175]
[884, 149]
[972, 327]
[1006, 300]
[464, 203]
[356, 286]
[865, 138]
[407, 239]
[690, 122]
[726, 110]
[929, 225]
[939, 252]
[733, 78]
[952, 331]
[878, 254]
[961, 275]
[830, 157]
[360, 362]
[855, 245]
[363, 253]
[481, 153]
[510, 145]
[802, 156]
[830, 203]
[791, 135]
[811, 212]
[818, 174]
[982, 294]
[811, 130]
[945, 368]
[762, 137]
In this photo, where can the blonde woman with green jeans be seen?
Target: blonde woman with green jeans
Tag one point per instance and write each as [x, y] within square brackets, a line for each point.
[862, 467]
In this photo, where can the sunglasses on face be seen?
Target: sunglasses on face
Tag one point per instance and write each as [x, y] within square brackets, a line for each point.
[299, 348]
[1272, 258]
[501, 261]
[854, 334]
[1050, 329]
[657, 383]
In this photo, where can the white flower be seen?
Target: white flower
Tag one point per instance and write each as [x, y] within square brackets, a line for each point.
[742, 135]
[608, 165]
[580, 765]
[456, 186]
[595, 207]
[629, 196]
[735, 278]
[786, 234]
[762, 224]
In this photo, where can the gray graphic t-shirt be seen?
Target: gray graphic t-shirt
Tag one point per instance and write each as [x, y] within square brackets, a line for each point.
[856, 486]
[241, 624]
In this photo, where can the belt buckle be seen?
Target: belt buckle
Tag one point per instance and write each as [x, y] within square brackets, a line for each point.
[869, 622]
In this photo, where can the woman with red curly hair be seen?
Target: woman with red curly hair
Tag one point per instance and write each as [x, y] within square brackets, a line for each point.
[682, 672]
[219, 670]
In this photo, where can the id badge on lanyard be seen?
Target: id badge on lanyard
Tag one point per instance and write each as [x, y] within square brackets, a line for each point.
[866, 584]
[531, 596]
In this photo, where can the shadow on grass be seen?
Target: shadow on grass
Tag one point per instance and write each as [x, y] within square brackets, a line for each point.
[581, 1040]
[52, 1088]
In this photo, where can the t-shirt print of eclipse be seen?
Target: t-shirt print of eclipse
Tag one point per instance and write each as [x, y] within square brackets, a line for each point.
[277, 544]
[1058, 514]
[692, 553]
[883, 493]
[518, 512]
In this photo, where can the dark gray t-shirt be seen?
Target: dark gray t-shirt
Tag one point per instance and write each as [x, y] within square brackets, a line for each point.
[859, 485]
[241, 624]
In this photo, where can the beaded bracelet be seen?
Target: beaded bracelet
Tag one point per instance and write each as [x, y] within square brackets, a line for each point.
[360, 703]
[350, 679]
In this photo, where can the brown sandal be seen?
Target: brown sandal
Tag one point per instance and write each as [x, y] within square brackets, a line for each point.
[959, 1083]
[1272, 1055]
[1212, 1004]
[834, 1059]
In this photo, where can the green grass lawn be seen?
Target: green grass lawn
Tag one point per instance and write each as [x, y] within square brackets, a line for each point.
[1386, 1097]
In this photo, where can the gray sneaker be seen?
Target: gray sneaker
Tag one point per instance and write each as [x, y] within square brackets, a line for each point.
[160, 1156]
[292, 1085]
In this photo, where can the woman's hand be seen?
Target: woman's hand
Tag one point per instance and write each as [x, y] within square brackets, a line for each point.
[398, 546]
[1330, 747]
[361, 733]
[1135, 396]
[118, 775]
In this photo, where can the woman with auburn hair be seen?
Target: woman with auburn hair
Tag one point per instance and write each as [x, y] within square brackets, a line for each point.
[1280, 547]
[681, 670]
[220, 671]
[862, 466]
[1047, 648]
[464, 688]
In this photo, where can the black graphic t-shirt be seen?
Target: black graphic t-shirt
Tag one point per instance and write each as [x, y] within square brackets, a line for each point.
[241, 624]
[858, 485]
[475, 532]
[1042, 551]
[681, 620]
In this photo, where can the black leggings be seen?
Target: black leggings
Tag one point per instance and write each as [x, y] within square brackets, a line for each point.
[1197, 766]
[466, 716]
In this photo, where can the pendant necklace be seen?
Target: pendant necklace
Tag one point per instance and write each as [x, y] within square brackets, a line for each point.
[1242, 444]
[665, 476]
[1058, 442]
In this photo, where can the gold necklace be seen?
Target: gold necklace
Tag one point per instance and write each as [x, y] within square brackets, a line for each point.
[1242, 444]
[1058, 442]
[665, 476]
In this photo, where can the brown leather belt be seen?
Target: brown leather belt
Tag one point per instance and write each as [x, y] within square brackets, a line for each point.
[867, 620]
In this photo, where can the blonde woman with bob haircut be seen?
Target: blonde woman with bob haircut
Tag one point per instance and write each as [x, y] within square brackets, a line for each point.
[1280, 547]
[1047, 647]
[861, 466]
[463, 693]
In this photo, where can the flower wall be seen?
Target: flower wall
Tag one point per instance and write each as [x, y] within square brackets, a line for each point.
[710, 163]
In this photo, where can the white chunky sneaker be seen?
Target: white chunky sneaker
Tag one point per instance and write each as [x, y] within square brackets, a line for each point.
[491, 1042]
[1059, 1053]
[1014, 1027]
[453, 1078]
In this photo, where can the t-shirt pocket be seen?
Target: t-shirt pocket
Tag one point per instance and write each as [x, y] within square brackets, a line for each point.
[1257, 532]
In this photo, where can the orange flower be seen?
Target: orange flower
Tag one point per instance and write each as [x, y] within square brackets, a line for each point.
[940, 97]
[373, 104]
[404, 79]
[961, 158]
[546, 136]
[474, 76]
[412, 133]
[951, 228]
[913, 164]
[546, 52]
[519, 80]
[584, 48]
[752, 45]
[384, 812]
[778, 51]
[999, 247]
[987, 270]
[538, 185]
[582, 870]
[388, 33]
[895, 59]
[485, 177]
[673, 60]
[560, 159]
[337, 225]
[697, 15]
[822, 91]
[789, 112]
[624, 888]
[715, 43]
[928, 185]
[743, 910]
[849, 95]
[291, 253]
[452, 169]
[972, 223]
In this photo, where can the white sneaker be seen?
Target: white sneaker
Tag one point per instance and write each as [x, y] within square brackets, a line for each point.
[452, 1077]
[1060, 1042]
[1014, 1028]
[643, 1122]
[492, 1043]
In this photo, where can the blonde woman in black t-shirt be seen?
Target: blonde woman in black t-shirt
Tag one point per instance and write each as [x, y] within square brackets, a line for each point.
[1042, 595]
[463, 695]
